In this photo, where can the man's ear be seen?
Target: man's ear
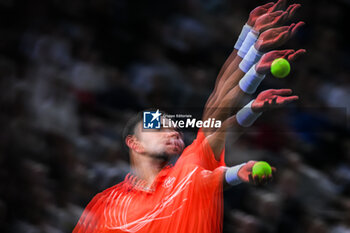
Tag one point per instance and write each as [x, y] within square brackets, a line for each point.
[132, 142]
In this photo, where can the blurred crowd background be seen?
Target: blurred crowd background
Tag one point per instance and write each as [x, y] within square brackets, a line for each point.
[72, 72]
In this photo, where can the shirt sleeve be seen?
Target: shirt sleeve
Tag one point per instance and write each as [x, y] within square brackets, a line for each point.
[88, 221]
[92, 219]
[200, 153]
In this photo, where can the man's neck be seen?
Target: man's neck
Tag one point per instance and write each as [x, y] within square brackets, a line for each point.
[147, 167]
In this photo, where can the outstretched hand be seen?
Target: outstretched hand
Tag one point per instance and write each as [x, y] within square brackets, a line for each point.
[276, 37]
[264, 64]
[257, 12]
[279, 5]
[291, 10]
[273, 98]
[269, 20]
[267, 8]
[274, 19]
[245, 174]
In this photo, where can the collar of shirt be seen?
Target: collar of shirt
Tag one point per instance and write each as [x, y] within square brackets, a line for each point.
[138, 184]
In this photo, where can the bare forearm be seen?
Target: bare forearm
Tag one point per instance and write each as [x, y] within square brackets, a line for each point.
[227, 68]
[231, 68]
[231, 78]
[228, 103]
[217, 139]
[216, 104]
[226, 65]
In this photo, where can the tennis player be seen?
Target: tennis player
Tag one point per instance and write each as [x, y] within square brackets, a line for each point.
[158, 197]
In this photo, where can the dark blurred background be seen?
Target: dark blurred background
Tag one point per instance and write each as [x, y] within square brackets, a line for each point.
[72, 72]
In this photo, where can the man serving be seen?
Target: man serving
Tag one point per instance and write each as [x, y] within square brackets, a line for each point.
[157, 197]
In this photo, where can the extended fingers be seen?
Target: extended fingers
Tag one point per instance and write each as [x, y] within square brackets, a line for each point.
[285, 100]
[284, 36]
[290, 28]
[277, 54]
[292, 9]
[295, 55]
[287, 53]
[281, 91]
[268, 5]
[276, 13]
[285, 33]
[278, 6]
[278, 31]
[297, 27]
[283, 17]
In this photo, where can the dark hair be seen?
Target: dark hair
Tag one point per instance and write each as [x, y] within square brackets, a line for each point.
[130, 127]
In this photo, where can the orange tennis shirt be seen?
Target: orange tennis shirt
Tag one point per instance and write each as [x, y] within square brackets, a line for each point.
[186, 197]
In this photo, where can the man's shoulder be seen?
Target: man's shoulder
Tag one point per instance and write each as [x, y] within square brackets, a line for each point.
[119, 188]
[183, 169]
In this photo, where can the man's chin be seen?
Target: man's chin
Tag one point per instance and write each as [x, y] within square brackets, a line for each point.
[166, 156]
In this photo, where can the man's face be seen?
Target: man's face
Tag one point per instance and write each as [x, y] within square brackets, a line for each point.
[160, 142]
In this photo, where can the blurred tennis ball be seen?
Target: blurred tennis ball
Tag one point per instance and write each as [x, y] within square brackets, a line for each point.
[280, 68]
[261, 169]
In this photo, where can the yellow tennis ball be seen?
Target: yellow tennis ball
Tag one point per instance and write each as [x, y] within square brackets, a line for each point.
[261, 169]
[280, 68]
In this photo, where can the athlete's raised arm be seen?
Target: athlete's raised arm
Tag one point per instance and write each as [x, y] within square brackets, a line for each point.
[248, 26]
[227, 92]
[244, 118]
[260, 19]
[230, 94]
[267, 41]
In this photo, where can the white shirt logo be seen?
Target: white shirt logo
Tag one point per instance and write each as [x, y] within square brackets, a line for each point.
[169, 182]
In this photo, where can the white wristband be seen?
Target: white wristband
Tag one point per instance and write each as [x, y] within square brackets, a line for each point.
[245, 30]
[231, 175]
[248, 42]
[252, 57]
[246, 117]
[251, 80]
